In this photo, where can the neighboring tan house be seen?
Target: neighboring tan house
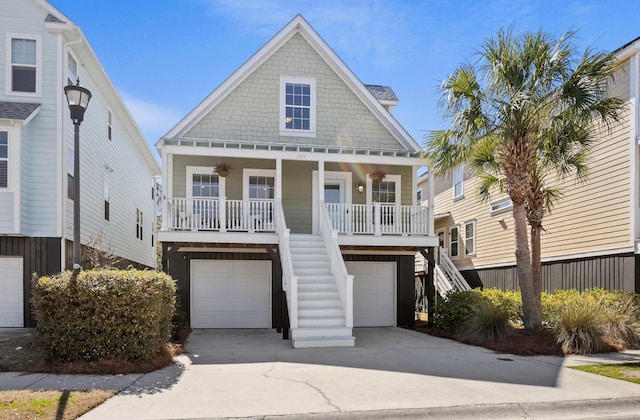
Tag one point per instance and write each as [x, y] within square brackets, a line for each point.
[298, 212]
[592, 236]
[41, 51]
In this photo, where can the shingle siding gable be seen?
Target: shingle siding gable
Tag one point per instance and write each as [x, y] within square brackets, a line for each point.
[251, 111]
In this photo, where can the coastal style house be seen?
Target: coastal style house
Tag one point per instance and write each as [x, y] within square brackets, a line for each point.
[288, 199]
[592, 236]
[41, 51]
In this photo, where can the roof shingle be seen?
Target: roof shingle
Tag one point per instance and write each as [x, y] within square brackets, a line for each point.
[17, 110]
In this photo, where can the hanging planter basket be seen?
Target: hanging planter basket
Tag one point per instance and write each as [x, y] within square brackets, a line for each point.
[223, 169]
[377, 176]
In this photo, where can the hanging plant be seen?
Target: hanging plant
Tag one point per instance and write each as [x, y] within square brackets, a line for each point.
[378, 175]
[223, 169]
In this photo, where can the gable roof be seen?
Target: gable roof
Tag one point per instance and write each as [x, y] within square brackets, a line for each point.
[297, 25]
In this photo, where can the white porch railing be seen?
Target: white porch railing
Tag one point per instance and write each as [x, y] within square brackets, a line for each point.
[289, 281]
[449, 268]
[344, 280]
[207, 214]
[378, 219]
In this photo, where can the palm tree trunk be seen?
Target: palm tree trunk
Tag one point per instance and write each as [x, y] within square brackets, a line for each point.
[536, 264]
[531, 312]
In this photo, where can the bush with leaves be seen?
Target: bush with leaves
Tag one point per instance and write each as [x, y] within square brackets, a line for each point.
[452, 312]
[508, 301]
[103, 314]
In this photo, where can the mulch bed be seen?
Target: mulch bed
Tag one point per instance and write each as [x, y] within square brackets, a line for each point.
[520, 342]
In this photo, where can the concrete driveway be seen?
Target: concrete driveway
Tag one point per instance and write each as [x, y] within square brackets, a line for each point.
[390, 373]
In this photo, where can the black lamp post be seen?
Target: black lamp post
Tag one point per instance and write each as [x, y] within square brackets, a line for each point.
[78, 100]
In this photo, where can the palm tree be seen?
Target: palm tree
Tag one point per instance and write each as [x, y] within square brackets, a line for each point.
[525, 111]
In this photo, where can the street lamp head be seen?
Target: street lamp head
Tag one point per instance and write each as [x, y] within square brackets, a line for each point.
[78, 100]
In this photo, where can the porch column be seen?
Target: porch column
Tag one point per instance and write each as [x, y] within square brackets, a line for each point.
[320, 190]
[166, 189]
[278, 178]
[430, 212]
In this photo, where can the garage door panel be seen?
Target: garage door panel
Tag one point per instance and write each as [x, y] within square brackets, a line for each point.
[373, 293]
[230, 294]
[11, 292]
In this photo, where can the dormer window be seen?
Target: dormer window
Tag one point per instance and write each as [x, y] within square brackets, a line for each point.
[297, 106]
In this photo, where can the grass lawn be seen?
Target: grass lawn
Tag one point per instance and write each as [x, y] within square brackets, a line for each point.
[49, 404]
[624, 371]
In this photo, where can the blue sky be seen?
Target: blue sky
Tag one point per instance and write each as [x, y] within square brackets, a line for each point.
[166, 56]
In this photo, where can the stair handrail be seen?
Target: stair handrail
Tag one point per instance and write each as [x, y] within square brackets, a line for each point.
[452, 271]
[344, 280]
[289, 280]
[441, 282]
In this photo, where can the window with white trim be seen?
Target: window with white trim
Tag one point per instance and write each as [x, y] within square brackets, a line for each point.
[70, 173]
[501, 205]
[106, 196]
[458, 179]
[261, 187]
[24, 64]
[4, 159]
[419, 197]
[72, 70]
[454, 241]
[109, 124]
[139, 224]
[297, 106]
[470, 237]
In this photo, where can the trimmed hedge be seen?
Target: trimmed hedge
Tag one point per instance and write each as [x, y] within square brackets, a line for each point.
[103, 314]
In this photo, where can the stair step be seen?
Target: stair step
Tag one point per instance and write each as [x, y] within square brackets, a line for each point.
[314, 342]
[298, 333]
[319, 304]
[318, 295]
[321, 321]
[315, 279]
[334, 312]
[317, 287]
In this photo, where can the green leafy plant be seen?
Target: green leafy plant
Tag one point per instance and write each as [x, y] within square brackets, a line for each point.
[580, 326]
[451, 313]
[508, 301]
[103, 314]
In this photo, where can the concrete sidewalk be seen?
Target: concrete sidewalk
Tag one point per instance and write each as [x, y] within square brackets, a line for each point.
[392, 373]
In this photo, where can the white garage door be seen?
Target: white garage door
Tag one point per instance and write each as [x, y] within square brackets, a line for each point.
[11, 292]
[374, 294]
[230, 294]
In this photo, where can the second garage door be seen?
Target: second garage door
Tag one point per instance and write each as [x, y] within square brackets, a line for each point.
[230, 294]
[373, 293]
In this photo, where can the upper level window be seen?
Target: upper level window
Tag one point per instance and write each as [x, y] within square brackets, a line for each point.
[419, 197]
[139, 224]
[458, 178]
[501, 205]
[297, 106]
[72, 70]
[106, 194]
[4, 159]
[70, 173]
[23, 64]
[109, 124]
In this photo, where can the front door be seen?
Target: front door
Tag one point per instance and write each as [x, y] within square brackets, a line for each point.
[335, 200]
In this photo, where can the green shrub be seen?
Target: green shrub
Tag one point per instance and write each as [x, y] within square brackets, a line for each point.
[508, 301]
[487, 322]
[452, 312]
[622, 315]
[103, 314]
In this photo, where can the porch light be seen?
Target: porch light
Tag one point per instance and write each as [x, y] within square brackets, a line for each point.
[360, 187]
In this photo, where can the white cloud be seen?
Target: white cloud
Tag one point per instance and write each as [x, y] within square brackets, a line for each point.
[154, 120]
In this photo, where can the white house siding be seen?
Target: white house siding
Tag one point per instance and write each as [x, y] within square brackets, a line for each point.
[590, 218]
[120, 163]
[38, 143]
[342, 119]
[6, 212]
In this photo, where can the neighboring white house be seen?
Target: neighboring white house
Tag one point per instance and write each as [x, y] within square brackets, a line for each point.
[300, 215]
[41, 51]
[590, 239]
